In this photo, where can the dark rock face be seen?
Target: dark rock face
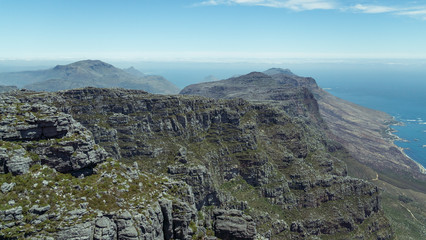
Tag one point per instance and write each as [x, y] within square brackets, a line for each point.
[231, 169]
[233, 224]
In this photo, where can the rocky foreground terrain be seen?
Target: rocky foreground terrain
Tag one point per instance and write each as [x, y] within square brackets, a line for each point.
[98, 163]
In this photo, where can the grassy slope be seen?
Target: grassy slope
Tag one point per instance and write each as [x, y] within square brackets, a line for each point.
[404, 208]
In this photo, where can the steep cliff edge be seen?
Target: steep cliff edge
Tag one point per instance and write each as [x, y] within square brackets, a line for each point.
[368, 150]
[363, 132]
[204, 167]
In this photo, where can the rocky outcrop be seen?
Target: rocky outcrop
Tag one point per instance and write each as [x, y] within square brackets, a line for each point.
[105, 229]
[11, 214]
[233, 224]
[200, 179]
[6, 187]
[48, 135]
[15, 161]
[150, 224]
[83, 231]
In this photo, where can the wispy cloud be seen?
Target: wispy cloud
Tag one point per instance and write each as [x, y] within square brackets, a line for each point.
[373, 8]
[296, 5]
[300, 5]
[412, 11]
[418, 11]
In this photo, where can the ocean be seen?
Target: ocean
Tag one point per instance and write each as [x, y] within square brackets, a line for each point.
[395, 87]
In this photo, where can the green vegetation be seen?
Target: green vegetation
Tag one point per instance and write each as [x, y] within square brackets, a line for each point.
[405, 210]
[108, 190]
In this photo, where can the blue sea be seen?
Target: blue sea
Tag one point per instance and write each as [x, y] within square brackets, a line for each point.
[399, 91]
[395, 87]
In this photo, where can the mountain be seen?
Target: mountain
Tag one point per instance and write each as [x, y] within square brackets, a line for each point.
[363, 133]
[93, 73]
[126, 164]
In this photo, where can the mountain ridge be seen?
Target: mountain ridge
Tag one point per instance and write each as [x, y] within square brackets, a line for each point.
[365, 137]
[84, 73]
[257, 86]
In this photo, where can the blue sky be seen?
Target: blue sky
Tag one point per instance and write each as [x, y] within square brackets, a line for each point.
[208, 30]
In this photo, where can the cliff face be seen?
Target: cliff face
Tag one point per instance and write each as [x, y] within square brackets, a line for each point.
[200, 167]
[286, 91]
[363, 132]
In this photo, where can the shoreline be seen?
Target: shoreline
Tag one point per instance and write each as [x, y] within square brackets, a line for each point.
[392, 137]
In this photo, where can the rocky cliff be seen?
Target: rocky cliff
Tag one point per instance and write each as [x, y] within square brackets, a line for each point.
[180, 167]
[365, 133]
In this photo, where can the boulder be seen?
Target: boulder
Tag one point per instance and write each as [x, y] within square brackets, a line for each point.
[233, 224]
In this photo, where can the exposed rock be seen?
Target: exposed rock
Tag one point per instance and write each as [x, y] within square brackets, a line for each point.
[39, 210]
[18, 162]
[83, 231]
[6, 187]
[105, 229]
[181, 156]
[67, 146]
[151, 223]
[166, 209]
[126, 229]
[13, 214]
[199, 178]
[233, 224]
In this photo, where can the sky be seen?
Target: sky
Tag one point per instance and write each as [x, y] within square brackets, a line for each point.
[209, 30]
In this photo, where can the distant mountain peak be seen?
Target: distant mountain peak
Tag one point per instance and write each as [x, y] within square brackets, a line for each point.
[93, 64]
[133, 71]
[86, 73]
[273, 71]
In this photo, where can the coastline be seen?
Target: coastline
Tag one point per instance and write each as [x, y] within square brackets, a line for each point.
[392, 137]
